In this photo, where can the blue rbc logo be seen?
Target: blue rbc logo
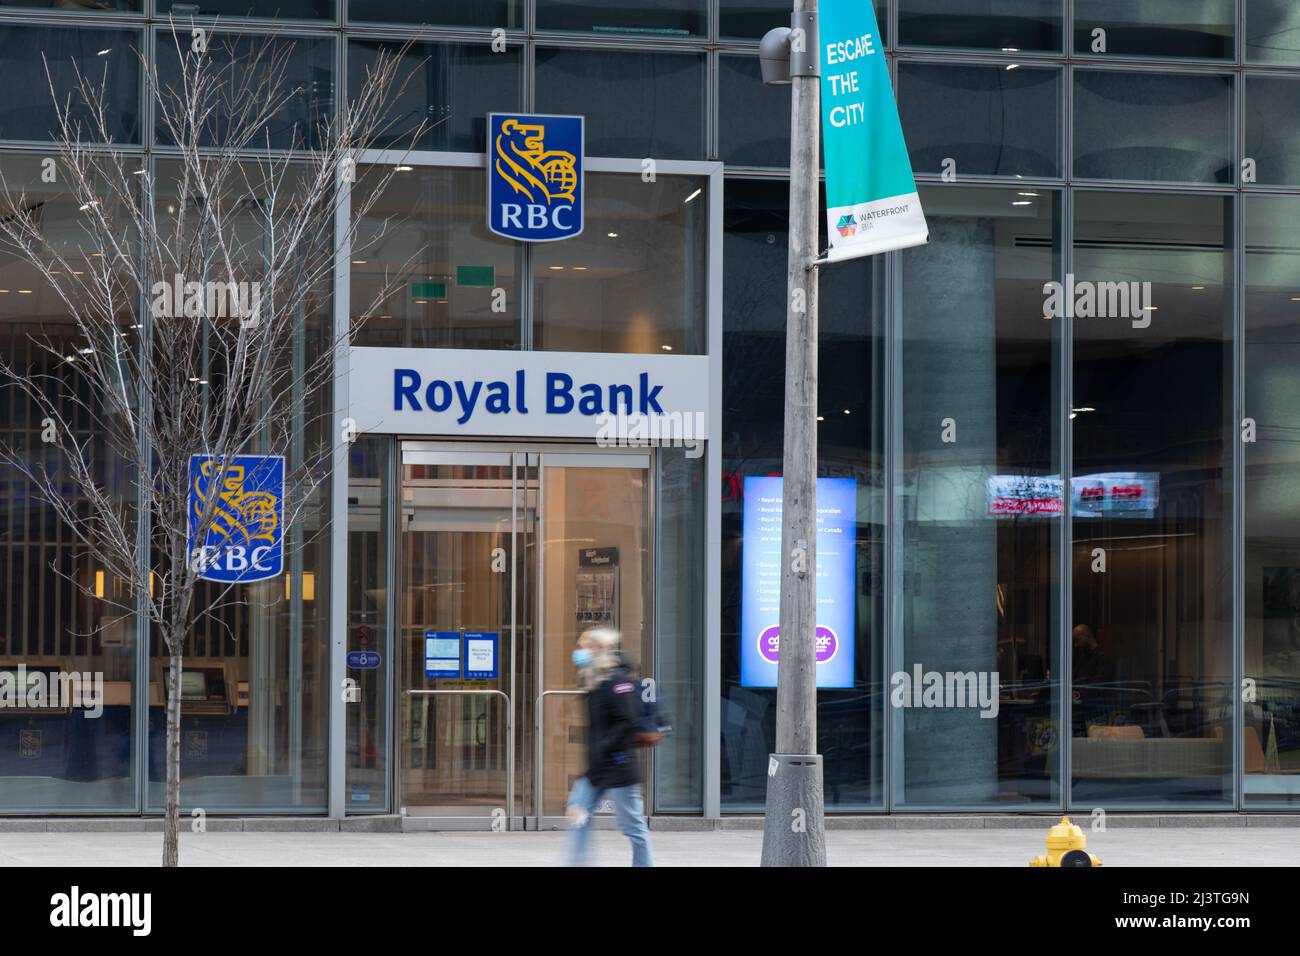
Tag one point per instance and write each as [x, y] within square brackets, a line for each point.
[535, 178]
[245, 540]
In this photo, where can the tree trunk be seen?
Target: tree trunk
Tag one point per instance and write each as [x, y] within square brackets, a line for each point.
[172, 804]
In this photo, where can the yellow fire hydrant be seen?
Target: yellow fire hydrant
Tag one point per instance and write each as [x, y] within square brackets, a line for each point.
[1066, 846]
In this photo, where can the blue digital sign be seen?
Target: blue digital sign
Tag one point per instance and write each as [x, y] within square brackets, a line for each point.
[482, 655]
[442, 653]
[535, 176]
[761, 565]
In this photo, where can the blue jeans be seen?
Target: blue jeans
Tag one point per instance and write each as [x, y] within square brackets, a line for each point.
[628, 810]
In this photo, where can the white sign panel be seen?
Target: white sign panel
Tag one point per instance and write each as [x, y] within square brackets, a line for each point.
[453, 392]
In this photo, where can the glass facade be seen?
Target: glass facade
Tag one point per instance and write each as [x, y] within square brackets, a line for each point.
[1097, 506]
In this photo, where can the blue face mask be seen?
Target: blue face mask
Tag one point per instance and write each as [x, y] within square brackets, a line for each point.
[582, 657]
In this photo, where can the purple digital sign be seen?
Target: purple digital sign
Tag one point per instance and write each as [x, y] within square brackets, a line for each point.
[837, 503]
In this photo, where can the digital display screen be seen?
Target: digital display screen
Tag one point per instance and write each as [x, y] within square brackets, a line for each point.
[836, 569]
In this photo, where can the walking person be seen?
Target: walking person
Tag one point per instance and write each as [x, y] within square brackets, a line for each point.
[615, 717]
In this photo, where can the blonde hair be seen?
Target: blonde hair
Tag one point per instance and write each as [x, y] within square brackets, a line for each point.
[603, 642]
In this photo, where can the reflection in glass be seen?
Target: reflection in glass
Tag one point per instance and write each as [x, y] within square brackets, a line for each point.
[1272, 140]
[425, 266]
[1271, 738]
[979, 497]
[279, 9]
[451, 88]
[258, 737]
[636, 279]
[1153, 126]
[663, 17]
[988, 119]
[107, 57]
[297, 69]
[850, 721]
[367, 627]
[1152, 626]
[753, 116]
[1010, 25]
[645, 104]
[750, 19]
[1273, 31]
[59, 611]
[507, 14]
[680, 568]
[1201, 30]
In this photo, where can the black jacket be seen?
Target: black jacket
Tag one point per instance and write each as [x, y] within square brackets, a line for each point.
[614, 713]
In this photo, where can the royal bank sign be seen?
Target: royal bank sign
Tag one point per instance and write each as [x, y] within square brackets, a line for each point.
[535, 176]
[489, 393]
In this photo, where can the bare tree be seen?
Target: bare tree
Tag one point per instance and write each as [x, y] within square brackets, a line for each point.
[199, 320]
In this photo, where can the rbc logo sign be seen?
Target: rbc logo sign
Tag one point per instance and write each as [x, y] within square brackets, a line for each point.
[535, 178]
[245, 540]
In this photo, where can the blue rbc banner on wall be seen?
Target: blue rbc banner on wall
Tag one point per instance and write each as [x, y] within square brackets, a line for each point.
[761, 565]
[245, 539]
[535, 176]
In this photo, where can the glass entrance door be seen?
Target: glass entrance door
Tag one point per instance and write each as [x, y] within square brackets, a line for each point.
[491, 720]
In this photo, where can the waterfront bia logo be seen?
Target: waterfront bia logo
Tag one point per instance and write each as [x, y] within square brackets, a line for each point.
[245, 538]
[535, 176]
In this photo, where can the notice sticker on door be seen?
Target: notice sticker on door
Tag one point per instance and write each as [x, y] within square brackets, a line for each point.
[481, 654]
[441, 653]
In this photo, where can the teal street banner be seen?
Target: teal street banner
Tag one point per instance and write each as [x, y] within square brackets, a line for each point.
[871, 200]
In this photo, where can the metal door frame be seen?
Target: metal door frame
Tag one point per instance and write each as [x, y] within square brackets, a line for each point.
[517, 456]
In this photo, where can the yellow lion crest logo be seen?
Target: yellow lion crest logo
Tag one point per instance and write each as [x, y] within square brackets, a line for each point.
[240, 517]
[532, 170]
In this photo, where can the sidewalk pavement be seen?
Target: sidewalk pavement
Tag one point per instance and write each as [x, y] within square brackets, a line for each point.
[1164, 846]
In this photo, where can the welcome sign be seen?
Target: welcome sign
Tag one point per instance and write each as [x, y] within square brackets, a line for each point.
[871, 201]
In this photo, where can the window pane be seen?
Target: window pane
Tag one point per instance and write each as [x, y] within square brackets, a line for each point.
[450, 87]
[110, 57]
[636, 280]
[425, 242]
[257, 739]
[636, 104]
[750, 19]
[1272, 139]
[850, 720]
[979, 494]
[279, 9]
[981, 24]
[1273, 31]
[61, 611]
[1271, 740]
[681, 565]
[753, 117]
[990, 120]
[241, 65]
[1203, 30]
[368, 544]
[670, 17]
[507, 14]
[1153, 126]
[1152, 635]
